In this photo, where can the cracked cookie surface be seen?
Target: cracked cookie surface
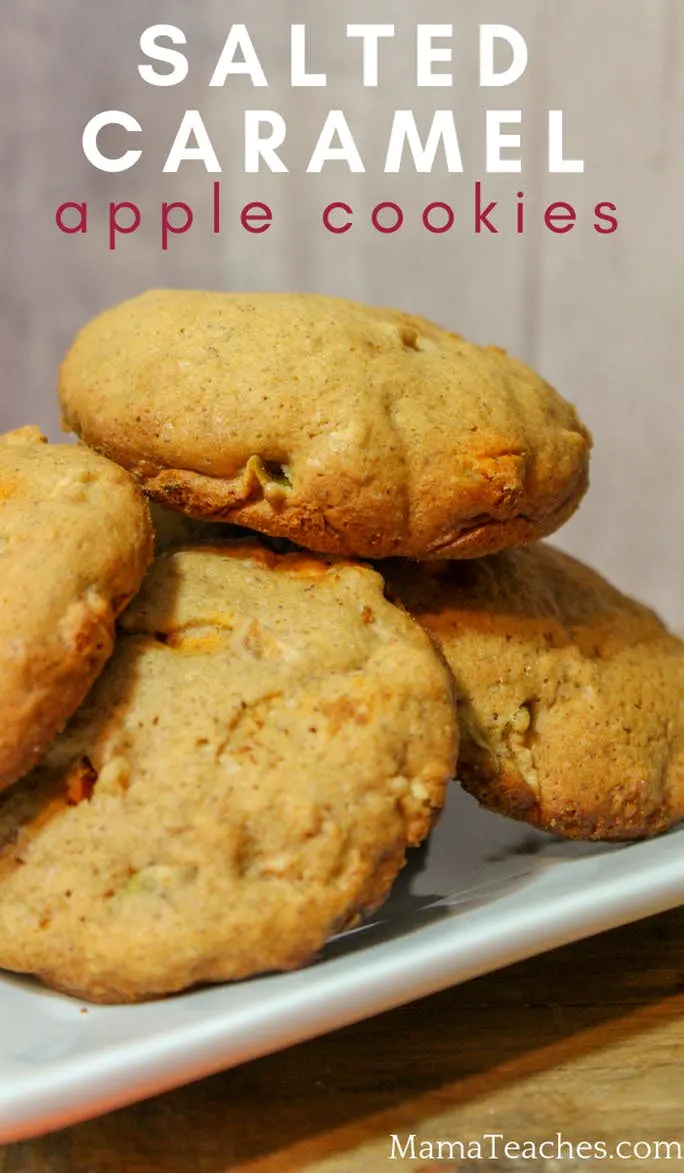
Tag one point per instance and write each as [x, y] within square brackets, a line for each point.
[346, 428]
[243, 781]
[75, 541]
[571, 695]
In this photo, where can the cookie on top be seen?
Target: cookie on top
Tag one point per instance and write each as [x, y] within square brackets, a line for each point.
[348, 429]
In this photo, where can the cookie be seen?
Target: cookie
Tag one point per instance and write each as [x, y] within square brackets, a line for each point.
[345, 428]
[268, 738]
[571, 696]
[75, 541]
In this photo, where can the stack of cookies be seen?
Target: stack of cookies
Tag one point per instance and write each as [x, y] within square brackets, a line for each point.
[226, 721]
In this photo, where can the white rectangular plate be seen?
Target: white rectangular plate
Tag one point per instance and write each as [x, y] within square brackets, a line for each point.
[485, 893]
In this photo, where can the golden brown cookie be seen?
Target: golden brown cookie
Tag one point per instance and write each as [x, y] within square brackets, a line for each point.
[243, 781]
[571, 695]
[346, 428]
[75, 540]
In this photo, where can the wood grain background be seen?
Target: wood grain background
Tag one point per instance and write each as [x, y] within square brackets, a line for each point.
[602, 317]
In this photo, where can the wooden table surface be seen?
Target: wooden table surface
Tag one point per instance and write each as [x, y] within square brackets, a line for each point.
[587, 1041]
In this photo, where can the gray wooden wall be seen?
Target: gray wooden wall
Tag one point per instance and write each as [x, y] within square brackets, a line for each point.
[602, 317]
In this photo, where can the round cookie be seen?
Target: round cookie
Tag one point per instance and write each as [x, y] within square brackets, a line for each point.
[243, 781]
[571, 696]
[345, 428]
[75, 541]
